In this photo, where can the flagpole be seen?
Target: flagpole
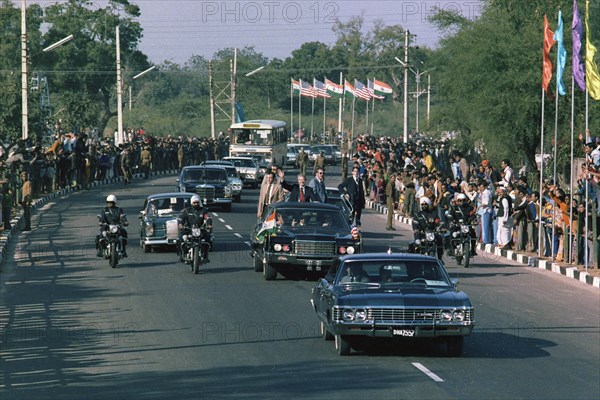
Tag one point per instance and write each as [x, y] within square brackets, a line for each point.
[300, 111]
[373, 109]
[292, 107]
[555, 152]
[312, 118]
[324, 111]
[571, 185]
[540, 227]
[353, 103]
[340, 106]
[587, 192]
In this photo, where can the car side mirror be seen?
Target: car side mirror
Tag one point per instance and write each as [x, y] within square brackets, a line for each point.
[455, 283]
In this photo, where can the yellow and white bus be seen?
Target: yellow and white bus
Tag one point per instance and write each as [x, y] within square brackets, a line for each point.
[260, 136]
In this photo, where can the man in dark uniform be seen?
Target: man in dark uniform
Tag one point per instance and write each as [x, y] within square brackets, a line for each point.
[354, 191]
[193, 216]
[427, 219]
[302, 160]
[112, 215]
[462, 210]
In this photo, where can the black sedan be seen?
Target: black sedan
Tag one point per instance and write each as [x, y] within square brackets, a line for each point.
[391, 295]
[301, 237]
[208, 182]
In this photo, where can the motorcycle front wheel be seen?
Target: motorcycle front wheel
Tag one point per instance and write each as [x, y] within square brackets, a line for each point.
[466, 254]
[196, 260]
[113, 255]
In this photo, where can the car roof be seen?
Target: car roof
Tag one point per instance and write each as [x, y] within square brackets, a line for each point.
[169, 194]
[387, 257]
[237, 158]
[217, 162]
[307, 205]
[213, 167]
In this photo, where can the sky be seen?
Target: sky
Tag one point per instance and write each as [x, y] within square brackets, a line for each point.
[176, 30]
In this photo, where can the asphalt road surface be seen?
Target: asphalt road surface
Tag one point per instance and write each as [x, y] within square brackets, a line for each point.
[72, 327]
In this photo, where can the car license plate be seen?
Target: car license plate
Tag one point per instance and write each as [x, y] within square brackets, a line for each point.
[404, 332]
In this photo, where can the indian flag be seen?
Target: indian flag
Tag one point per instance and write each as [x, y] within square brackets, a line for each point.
[295, 86]
[334, 89]
[268, 228]
[381, 88]
[348, 89]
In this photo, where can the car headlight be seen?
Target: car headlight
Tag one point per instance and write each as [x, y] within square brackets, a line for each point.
[350, 250]
[430, 236]
[464, 228]
[251, 174]
[348, 314]
[277, 247]
[446, 315]
[149, 228]
[196, 232]
[342, 250]
[458, 315]
[360, 314]
[113, 228]
[227, 189]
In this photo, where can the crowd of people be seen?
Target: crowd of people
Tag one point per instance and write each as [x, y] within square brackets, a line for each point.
[506, 207]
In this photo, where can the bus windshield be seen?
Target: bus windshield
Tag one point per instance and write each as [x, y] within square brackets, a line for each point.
[259, 137]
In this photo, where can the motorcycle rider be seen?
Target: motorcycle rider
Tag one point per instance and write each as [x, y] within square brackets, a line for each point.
[427, 219]
[194, 215]
[112, 215]
[462, 209]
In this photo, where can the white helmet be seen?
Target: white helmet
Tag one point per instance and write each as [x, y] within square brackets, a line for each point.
[195, 198]
[111, 198]
[425, 200]
[461, 196]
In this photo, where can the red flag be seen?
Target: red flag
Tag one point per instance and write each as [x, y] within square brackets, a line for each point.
[547, 64]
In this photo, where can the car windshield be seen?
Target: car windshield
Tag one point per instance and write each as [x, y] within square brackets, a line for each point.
[392, 273]
[166, 207]
[324, 149]
[204, 175]
[244, 163]
[311, 220]
[231, 172]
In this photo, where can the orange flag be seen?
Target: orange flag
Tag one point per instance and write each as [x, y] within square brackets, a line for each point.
[547, 64]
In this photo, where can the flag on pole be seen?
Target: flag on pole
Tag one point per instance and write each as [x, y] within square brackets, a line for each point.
[307, 90]
[334, 89]
[381, 88]
[578, 71]
[295, 86]
[591, 69]
[371, 87]
[561, 56]
[361, 91]
[348, 89]
[547, 64]
[268, 228]
[320, 89]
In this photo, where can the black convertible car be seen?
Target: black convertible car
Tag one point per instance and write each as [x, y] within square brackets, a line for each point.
[391, 295]
[302, 236]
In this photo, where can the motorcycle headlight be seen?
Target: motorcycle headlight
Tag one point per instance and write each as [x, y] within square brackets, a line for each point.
[149, 228]
[113, 228]
[430, 236]
[446, 315]
[455, 234]
[196, 232]
[458, 315]
[185, 238]
[464, 228]
[348, 314]
[350, 250]
[418, 242]
[277, 247]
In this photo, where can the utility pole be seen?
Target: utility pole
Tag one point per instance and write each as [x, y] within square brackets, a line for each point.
[233, 71]
[406, 39]
[119, 137]
[212, 100]
[428, 97]
[24, 89]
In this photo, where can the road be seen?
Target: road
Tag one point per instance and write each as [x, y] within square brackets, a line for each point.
[72, 327]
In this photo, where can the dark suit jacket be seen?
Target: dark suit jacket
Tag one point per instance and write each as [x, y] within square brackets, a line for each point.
[356, 192]
[294, 190]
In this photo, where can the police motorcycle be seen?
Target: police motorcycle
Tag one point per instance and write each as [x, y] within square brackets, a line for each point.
[111, 244]
[428, 232]
[459, 241]
[196, 242]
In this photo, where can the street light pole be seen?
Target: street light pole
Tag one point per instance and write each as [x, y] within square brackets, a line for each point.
[119, 136]
[24, 88]
[405, 130]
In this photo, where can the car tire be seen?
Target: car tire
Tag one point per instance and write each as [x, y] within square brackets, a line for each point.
[258, 263]
[269, 272]
[238, 198]
[325, 334]
[147, 248]
[454, 346]
[342, 347]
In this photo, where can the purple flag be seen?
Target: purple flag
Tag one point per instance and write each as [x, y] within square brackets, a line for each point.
[578, 70]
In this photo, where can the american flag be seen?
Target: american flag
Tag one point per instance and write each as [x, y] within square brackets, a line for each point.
[361, 91]
[320, 89]
[306, 89]
[371, 88]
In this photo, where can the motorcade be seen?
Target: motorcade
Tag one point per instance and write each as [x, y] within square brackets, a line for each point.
[260, 136]
[196, 243]
[208, 182]
[246, 168]
[306, 237]
[159, 225]
[232, 176]
[384, 295]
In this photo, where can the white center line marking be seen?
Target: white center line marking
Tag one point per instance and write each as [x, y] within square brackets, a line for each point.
[215, 214]
[238, 235]
[222, 220]
[428, 372]
[228, 227]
